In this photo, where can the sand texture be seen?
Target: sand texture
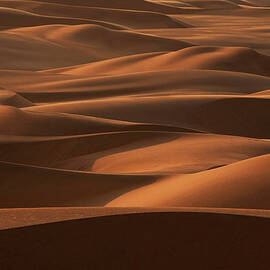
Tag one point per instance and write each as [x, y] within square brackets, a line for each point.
[134, 134]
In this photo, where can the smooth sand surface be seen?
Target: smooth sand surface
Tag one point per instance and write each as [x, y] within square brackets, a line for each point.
[134, 134]
[134, 241]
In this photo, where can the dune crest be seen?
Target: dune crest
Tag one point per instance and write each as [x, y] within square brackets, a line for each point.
[240, 185]
[197, 57]
[50, 46]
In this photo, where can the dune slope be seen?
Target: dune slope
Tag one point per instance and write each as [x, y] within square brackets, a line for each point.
[50, 46]
[174, 239]
[244, 184]
[198, 57]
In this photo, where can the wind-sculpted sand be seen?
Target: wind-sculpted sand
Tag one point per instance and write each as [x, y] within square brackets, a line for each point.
[134, 134]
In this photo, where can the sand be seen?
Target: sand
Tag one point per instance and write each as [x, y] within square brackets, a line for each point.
[134, 134]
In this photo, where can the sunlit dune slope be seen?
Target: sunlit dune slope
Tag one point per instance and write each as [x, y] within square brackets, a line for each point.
[160, 152]
[240, 185]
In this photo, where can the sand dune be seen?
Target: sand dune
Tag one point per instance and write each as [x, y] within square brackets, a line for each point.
[50, 46]
[17, 122]
[21, 123]
[43, 187]
[259, 3]
[161, 152]
[12, 18]
[213, 4]
[141, 5]
[174, 239]
[241, 115]
[13, 99]
[135, 134]
[21, 217]
[210, 58]
[207, 189]
[21, 149]
[188, 153]
[262, 93]
[240, 185]
[119, 17]
[50, 88]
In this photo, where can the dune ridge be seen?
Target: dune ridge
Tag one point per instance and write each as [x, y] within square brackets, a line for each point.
[49, 46]
[52, 88]
[22, 217]
[227, 114]
[198, 57]
[134, 19]
[127, 234]
[243, 184]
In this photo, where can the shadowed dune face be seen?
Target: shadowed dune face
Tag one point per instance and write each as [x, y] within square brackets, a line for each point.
[120, 240]
[134, 134]
[135, 19]
[13, 99]
[12, 18]
[141, 5]
[217, 114]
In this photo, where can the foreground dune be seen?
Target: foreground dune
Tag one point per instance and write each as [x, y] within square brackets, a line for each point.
[136, 238]
[134, 134]
[22, 217]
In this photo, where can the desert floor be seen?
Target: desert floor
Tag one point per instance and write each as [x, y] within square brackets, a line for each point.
[134, 134]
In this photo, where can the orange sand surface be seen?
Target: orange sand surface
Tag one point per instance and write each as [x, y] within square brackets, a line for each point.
[135, 134]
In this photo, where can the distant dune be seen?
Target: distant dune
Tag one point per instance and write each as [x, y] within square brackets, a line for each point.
[141, 5]
[209, 58]
[116, 17]
[231, 115]
[16, 18]
[51, 88]
[43, 47]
